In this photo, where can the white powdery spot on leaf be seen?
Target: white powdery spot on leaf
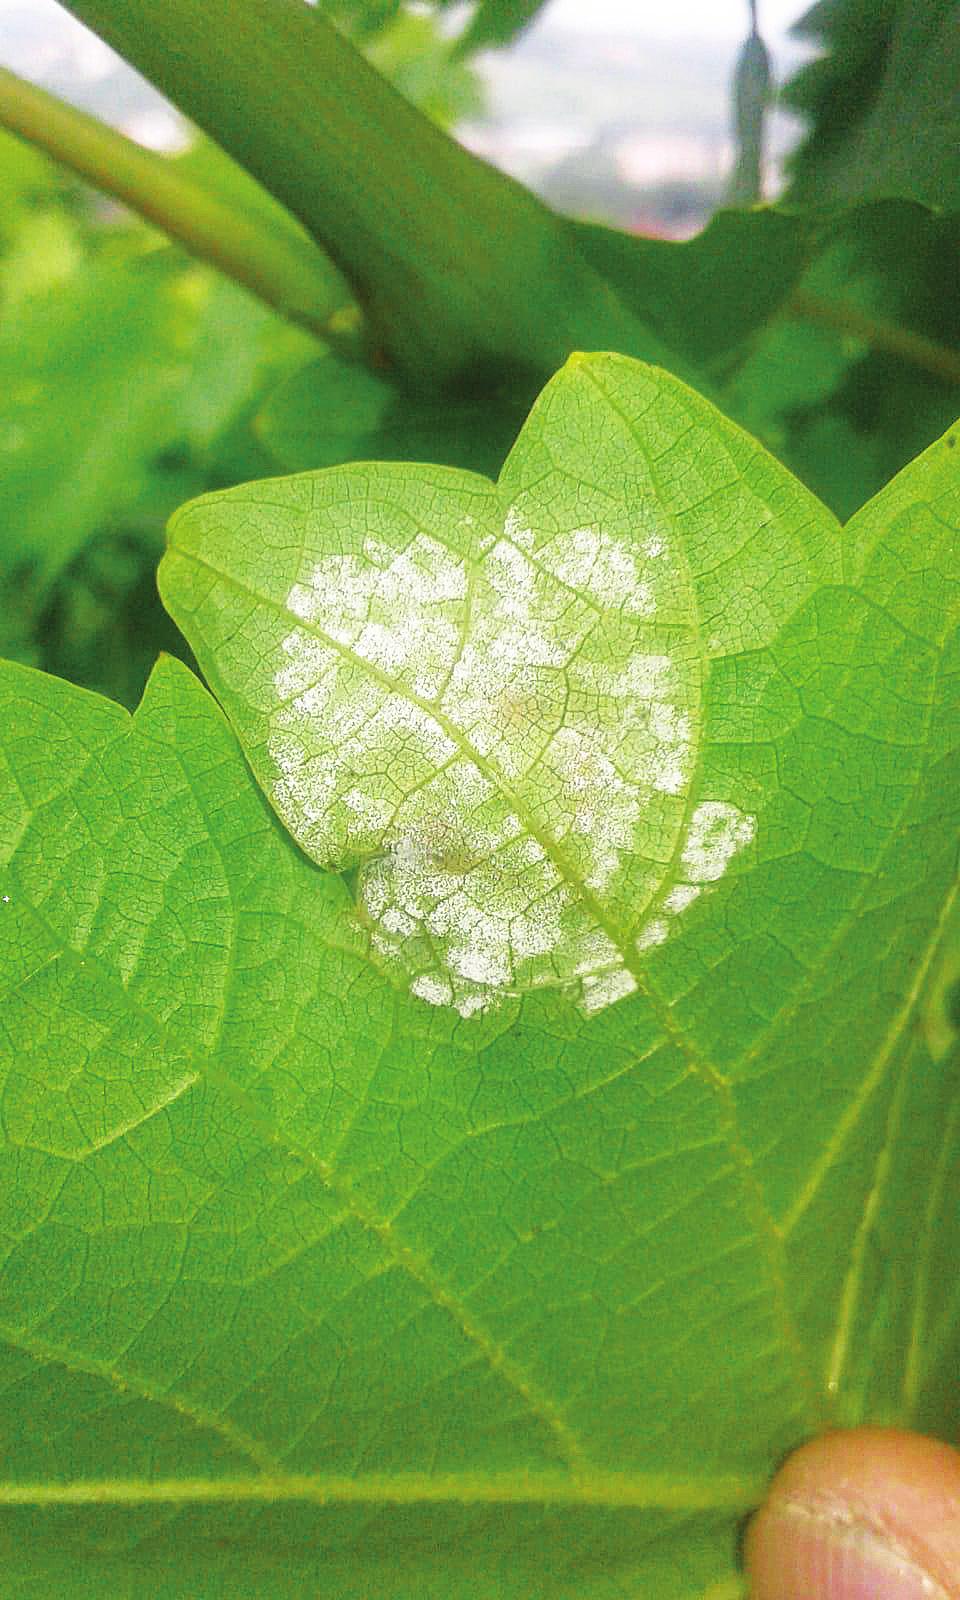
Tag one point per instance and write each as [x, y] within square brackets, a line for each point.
[502, 744]
[433, 990]
[514, 530]
[717, 831]
[603, 988]
[682, 896]
[654, 933]
[386, 605]
[601, 568]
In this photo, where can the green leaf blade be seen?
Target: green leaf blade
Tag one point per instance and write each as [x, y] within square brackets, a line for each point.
[152, 1323]
[399, 1299]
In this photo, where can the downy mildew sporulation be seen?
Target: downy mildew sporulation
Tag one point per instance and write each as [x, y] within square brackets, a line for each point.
[502, 743]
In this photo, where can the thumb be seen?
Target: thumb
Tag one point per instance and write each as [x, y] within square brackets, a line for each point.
[869, 1514]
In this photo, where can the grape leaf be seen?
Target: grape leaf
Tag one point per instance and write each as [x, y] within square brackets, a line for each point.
[312, 1281]
[496, 22]
[682, 288]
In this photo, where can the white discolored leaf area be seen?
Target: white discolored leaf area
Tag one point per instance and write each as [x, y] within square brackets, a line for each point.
[489, 701]
[517, 756]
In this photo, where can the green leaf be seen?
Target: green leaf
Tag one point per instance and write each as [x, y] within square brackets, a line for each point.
[839, 349]
[128, 361]
[314, 1282]
[423, 63]
[496, 22]
[127, 390]
[684, 289]
[331, 412]
[39, 234]
[883, 102]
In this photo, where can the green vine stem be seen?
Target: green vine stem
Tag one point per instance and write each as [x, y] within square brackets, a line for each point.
[460, 271]
[844, 318]
[277, 262]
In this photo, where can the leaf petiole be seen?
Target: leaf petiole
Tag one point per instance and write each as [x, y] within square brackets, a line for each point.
[276, 260]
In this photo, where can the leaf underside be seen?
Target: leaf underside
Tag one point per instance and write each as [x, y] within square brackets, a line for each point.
[334, 1255]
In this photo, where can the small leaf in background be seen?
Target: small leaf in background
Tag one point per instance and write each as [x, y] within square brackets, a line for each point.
[882, 100]
[40, 225]
[131, 379]
[489, 22]
[816, 352]
[496, 22]
[425, 66]
[90, 373]
[683, 289]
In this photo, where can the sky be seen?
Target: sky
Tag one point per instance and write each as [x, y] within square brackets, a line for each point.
[678, 19]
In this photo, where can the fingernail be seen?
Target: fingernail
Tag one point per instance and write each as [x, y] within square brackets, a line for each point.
[800, 1551]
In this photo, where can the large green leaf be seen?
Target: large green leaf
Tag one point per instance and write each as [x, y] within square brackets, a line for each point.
[343, 1259]
[883, 102]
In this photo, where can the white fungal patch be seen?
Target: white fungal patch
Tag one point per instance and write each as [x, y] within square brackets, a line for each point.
[514, 530]
[717, 831]
[600, 567]
[655, 932]
[602, 988]
[682, 896]
[433, 990]
[501, 742]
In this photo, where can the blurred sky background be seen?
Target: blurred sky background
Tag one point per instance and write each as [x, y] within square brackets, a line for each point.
[618, 110]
